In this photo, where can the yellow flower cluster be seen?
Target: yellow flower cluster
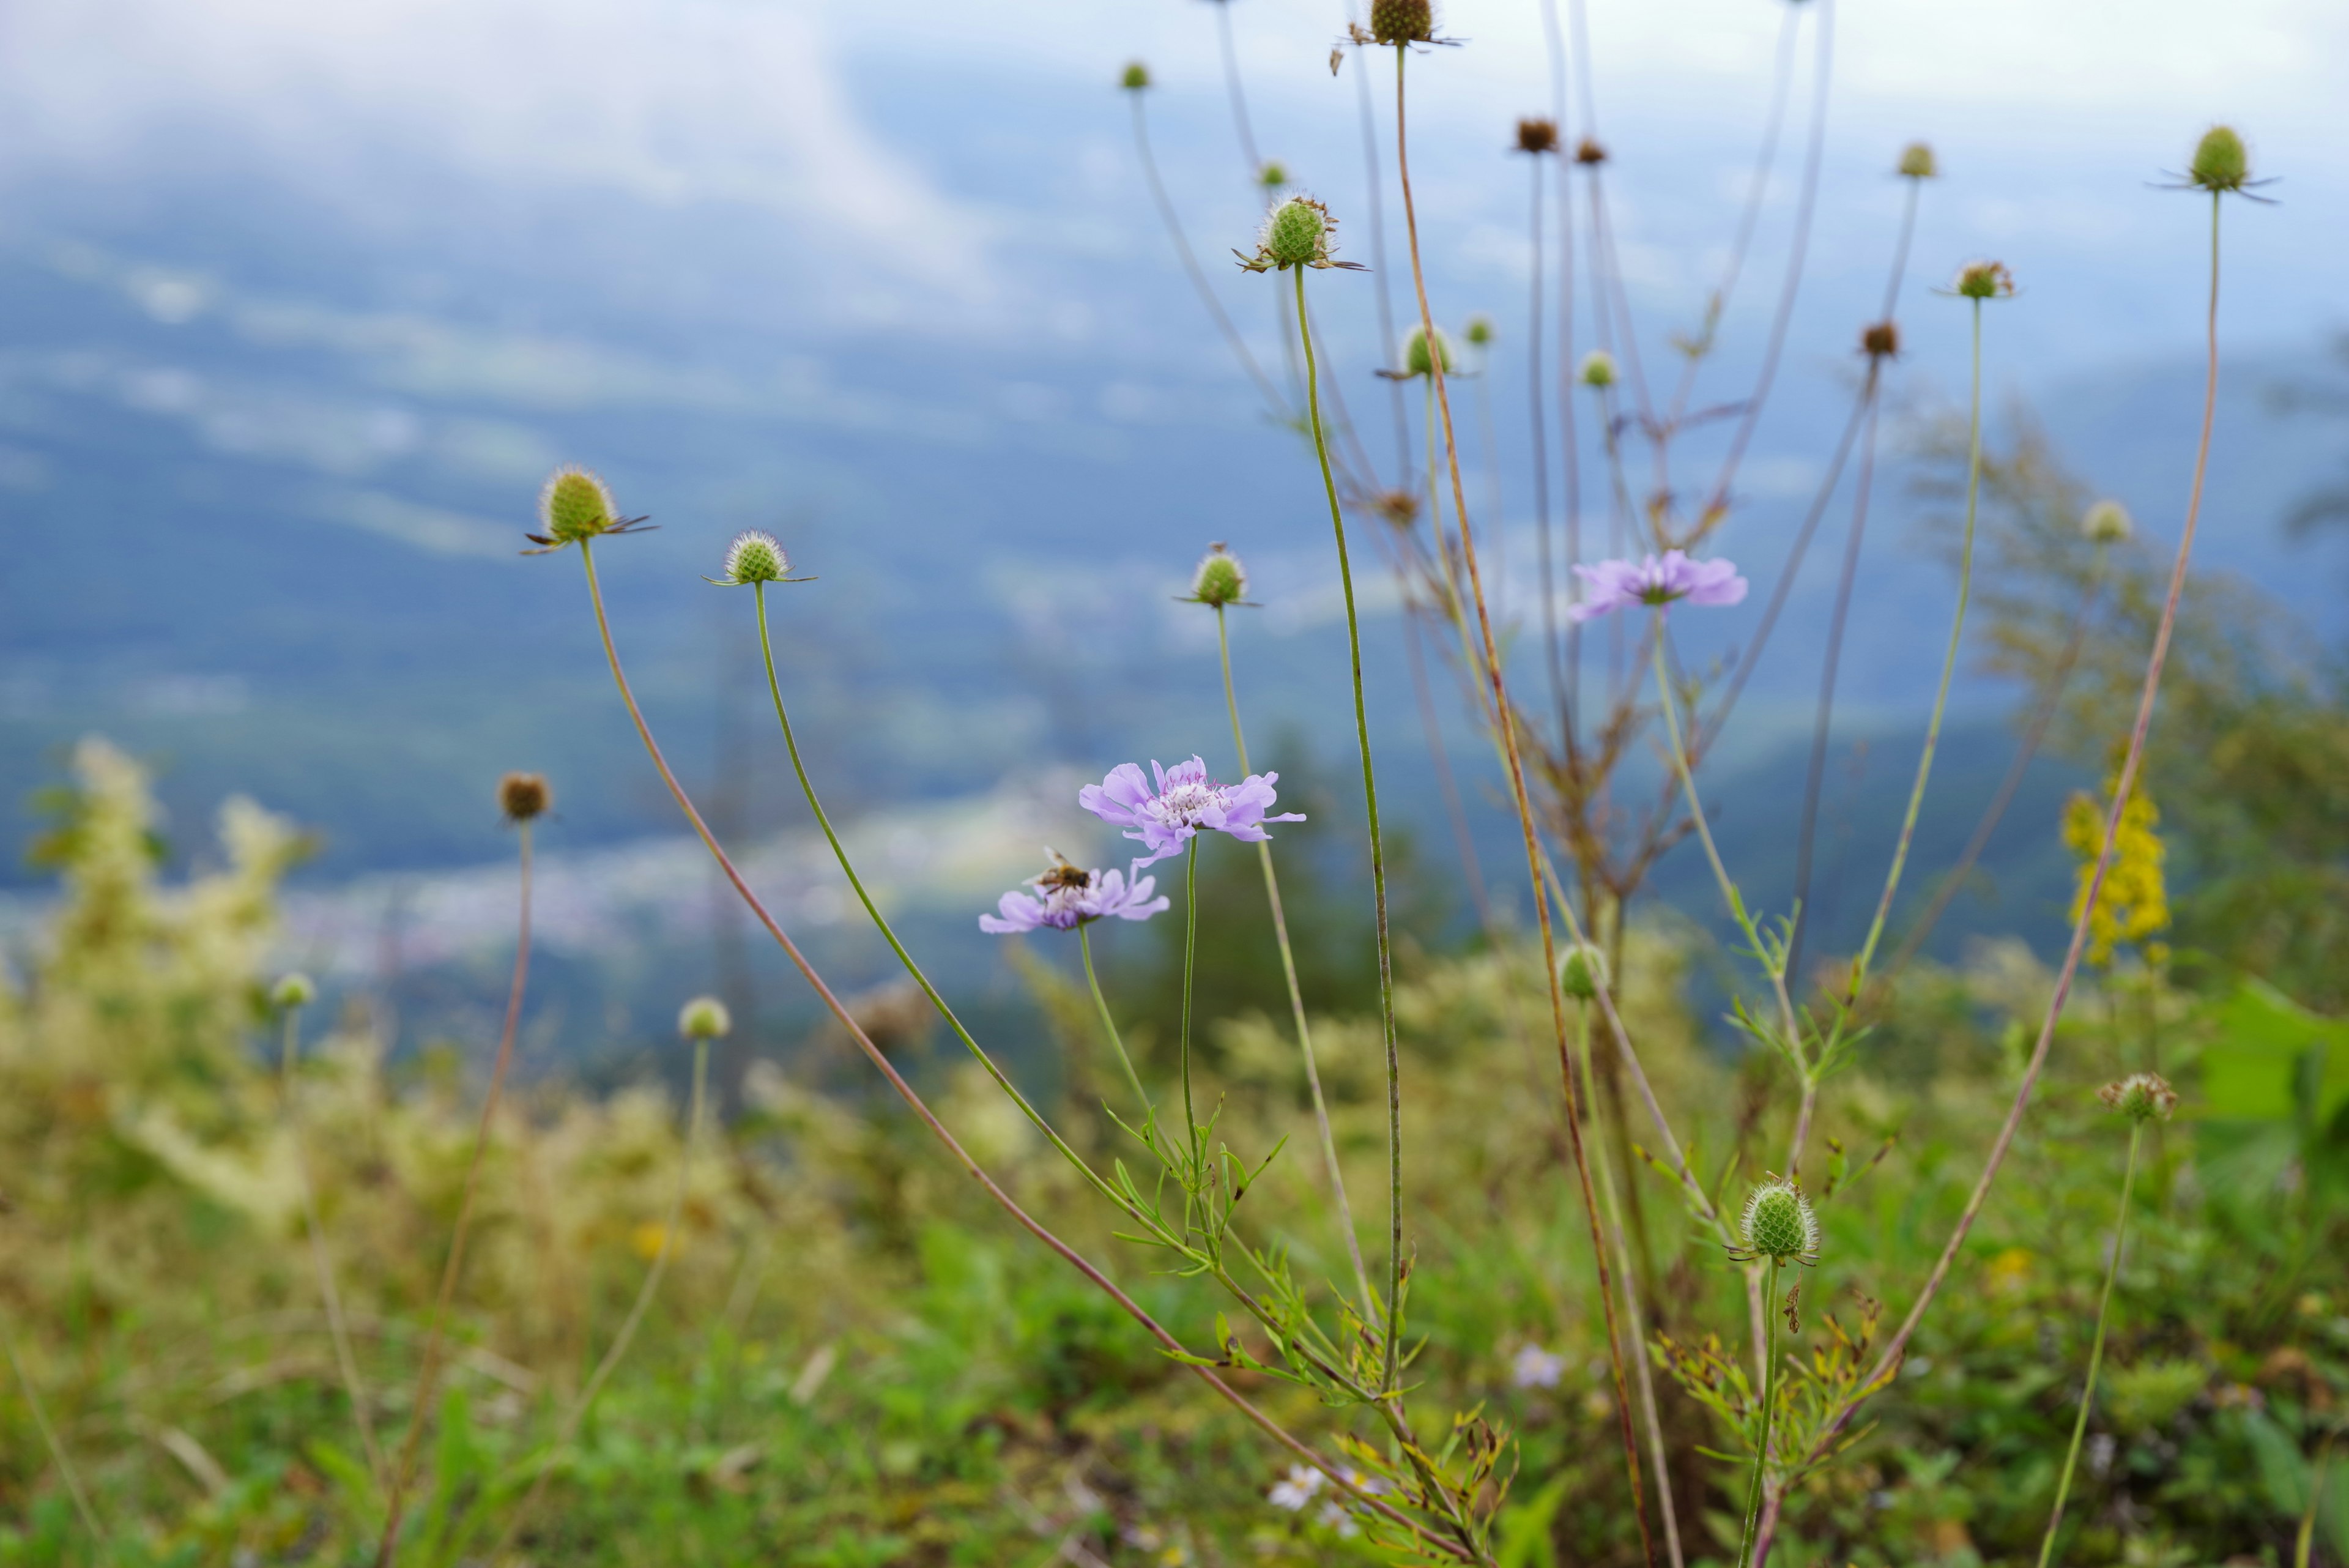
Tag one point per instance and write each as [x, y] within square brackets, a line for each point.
[2134, 903]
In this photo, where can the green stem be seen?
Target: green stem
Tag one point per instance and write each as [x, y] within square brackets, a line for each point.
[330, 1297]
[1378, 852]
[1296, 991]
[66, 1471]
[2096, 1350]
[1117, 1041]
[1769, 1410]
[1190, 960]
[1941, 695]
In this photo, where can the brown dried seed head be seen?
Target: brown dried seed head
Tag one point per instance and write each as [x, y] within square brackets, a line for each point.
[1881, 339]
[1588, 151]
[523, 796]
[1535, 135]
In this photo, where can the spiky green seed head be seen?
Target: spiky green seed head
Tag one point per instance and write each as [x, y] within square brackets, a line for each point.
[1917, 161]
[2141, 1096]
[1221, 579]
[521, 796]
[1479, 331]
[293, 989]
[1414, 352]
[574, 506]
[1136, 77]
[704, 1018]
[1403, 21]
[1274, 175]
[755, 557]
[1778, 1222]
[2106, 523]
[2222, 162]
[1985, 280]
[1581, 970]
[1597, 370]
[1296, 233]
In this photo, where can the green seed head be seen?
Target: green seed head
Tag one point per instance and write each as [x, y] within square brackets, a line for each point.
[1221, 579]
[1403, 21]
[574, 506]
[1479, 331]
[1274, 175]
[1296, 233]
[293, 991]
[1599, 369]
[2221, 161]
[1917, 161]
[1778, 1223]
[2106, 523]
[1581, 970]
[1136, 77]
[1985, 280]
[1414, 352]
[521, 796]
[704, 1018]
[755, 557]
[2141, 1096]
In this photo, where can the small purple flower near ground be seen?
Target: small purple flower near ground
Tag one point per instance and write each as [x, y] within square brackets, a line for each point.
[1534, 1367]
[1183, 801]
[1067, 896]
[1622, 585]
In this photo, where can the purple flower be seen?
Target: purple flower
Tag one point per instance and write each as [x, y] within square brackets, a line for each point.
[1068, 896]
[1619, 585]
[1185, 801]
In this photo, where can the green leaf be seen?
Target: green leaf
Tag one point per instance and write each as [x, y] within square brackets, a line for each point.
[2248, 1069]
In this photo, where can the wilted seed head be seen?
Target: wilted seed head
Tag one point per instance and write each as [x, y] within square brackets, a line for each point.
[755, 557]
[1917, 161]
[1597, 368]
[574, 506]
[1581, 970]
[521, 796]
[1985, 280]
[704, 1018]
[1403, 21]
[1221, 579]
[1414, 353]
[2141, 1096]
[1273, 175]
[1537, 135]
[2221, 161]
[1135, 79]
[1881, 339]
[1778, 1223]
[2106, 523]
[293, 991]
[1589, 150]
[1479, 331]
[1399, 507]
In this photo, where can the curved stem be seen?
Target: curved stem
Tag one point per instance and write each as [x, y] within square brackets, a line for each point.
[1378, 848]
[1506, 716]
[937, 1129]
[2096, 1349]
[1117, 1041]
[1296, 990]
[66, 1471]
[345, 1363]
[646, 1291]
[420, 1402]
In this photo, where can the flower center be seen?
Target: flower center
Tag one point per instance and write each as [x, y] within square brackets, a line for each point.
[1183, 804]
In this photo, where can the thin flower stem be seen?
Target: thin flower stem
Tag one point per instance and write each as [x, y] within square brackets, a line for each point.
[1618, 1237]
[2096, 1349]
[1296, 991]
[1942, 693]
[1190, 968]
[1232, 87]
[66, 1471]
[1375, 178]
[1505, 716]
[330, 1297]
[1749, 1550]
[937, 1129]
[429, 1369]
[1895, 1348]
[1117, 1041]
[646, 1291]
[1393, 1325]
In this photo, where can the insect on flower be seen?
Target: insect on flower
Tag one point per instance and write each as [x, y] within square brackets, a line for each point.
[1068, 896]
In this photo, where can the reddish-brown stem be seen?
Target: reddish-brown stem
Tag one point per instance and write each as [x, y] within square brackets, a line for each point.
[937, 1128]
[1505, 714]
[430, 1369]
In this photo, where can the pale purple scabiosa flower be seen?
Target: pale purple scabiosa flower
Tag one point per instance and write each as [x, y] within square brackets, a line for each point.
[1068, 896]
[1185, 801]
[1296, 1490]
[1534, 1367]
[1620, 585]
